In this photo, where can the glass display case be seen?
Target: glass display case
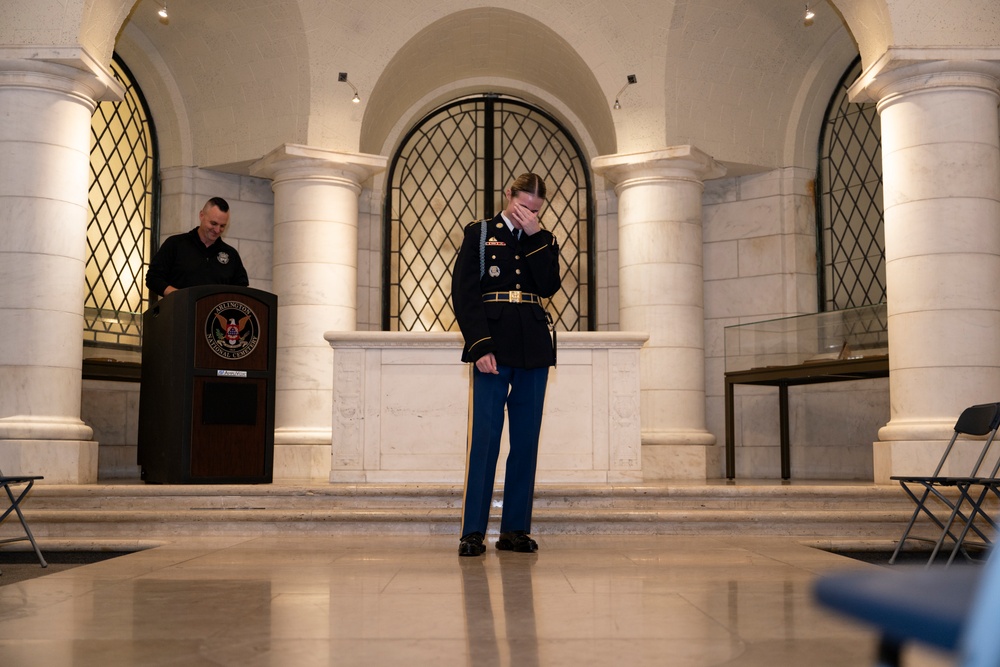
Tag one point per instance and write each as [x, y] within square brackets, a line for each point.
[855, 333]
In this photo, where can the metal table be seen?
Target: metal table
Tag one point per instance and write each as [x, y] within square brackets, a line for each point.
[784, 377]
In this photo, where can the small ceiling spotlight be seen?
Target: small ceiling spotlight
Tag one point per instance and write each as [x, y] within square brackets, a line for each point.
[631, 79]
[342, 77]
[164, 17]
[807, 20]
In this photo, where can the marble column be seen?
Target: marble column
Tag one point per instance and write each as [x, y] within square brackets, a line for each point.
[661, 292]
[45, 110]
[941, 185]
[315, 275]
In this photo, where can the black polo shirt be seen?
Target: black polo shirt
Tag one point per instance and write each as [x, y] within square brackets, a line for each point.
[184, 261]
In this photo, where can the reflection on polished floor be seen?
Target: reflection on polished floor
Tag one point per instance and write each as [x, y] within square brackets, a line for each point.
[410, 600]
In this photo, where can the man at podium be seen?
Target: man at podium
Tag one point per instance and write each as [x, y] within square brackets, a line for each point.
[199, 257]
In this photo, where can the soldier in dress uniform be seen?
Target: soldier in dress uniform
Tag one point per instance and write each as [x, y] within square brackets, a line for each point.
[504, 269]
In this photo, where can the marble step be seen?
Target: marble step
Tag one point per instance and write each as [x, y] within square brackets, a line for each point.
[136, 511]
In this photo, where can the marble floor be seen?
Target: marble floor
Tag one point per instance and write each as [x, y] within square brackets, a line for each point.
[410, 600]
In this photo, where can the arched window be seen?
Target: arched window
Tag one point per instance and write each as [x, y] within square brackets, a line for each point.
[849, 211]
[452, 169]
[123, 207]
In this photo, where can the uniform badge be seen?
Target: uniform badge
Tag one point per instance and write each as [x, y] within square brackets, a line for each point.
[223, 257]
[499, 225]
[493, 241]
[494, 271]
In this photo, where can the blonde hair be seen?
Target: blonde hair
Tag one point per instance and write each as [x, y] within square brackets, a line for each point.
[530, 183]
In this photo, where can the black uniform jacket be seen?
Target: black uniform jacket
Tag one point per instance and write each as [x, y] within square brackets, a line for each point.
[517, 333]
[184, 261]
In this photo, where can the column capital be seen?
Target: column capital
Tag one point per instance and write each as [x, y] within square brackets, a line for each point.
[900, 71]
[297, 162]
[69, 70]
[673, 163]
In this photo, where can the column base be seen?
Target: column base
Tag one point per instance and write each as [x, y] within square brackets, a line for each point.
[301, 461]
[920, 457]
[684, 461]
[59, 461]
[303, 436]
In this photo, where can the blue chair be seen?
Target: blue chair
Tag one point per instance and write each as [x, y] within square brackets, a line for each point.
[953, 609]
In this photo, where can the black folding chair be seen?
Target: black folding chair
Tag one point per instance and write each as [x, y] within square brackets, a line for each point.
[929, 492]
[977, 507]
[15, 506]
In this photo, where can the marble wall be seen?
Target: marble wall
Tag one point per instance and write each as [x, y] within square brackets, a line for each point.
[112, 410]
[760, 263]
[759, 259]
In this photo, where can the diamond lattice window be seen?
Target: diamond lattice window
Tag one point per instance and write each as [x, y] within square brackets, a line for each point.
[122, 194]
[849, 205]
[452, 169]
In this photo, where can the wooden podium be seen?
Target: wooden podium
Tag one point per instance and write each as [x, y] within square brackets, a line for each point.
[206, 404]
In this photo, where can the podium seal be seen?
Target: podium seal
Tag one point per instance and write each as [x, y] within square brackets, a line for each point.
[232, 330]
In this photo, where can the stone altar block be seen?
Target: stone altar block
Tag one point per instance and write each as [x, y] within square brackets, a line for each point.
[401, 409]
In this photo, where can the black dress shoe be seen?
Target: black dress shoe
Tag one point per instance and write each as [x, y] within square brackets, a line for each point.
[517, 540]
[472, 545]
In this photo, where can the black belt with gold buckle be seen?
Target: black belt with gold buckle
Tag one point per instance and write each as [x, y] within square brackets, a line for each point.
[513, 296]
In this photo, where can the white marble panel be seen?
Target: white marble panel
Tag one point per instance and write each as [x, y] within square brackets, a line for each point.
[54, 338]
[59, 461]
[916, 172]
[955, 388]
[304, 325]
[44, 117]
[399, 421]
[117, 462]
[28, 227]
[661, 241]
[39, 391]
[306, 462]
[720, 191]
[256, 258]
[250, 221]
[759, 296]
[316, 284]
[316, 200]
[933, 119]
[349, 409]
[741, 220]
[639, 205]
[761, 255]
[258, 191]
[105, 412]
[965, 231]
[302, 417]
[956, 339]
[61, 291]
[46, 171]
[316, 241]
[663, 284]
[304, 368]
[675, 367]
[720, 260]
[423, 411]
[669, 326]
[681, 408]
[946, 281]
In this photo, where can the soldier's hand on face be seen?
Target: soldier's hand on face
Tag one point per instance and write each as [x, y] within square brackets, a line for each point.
[525, 219]
[487, 364]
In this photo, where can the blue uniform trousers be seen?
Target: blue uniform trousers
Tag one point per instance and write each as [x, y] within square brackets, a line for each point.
[522, 390]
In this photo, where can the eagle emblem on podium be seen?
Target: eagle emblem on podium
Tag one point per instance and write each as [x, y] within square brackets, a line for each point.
[232, 330]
